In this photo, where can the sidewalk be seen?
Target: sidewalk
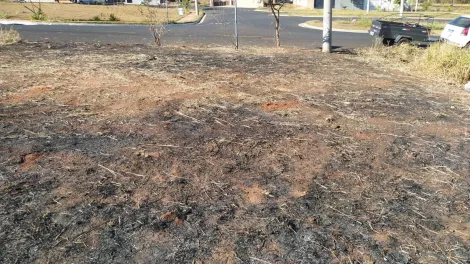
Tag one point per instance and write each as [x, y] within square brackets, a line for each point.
[192, 17]
[305, 25]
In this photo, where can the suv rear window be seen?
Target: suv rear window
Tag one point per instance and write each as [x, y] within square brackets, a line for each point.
[461, 22]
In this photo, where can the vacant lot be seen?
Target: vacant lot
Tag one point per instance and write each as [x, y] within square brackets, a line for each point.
[128, 154]
[78, 12]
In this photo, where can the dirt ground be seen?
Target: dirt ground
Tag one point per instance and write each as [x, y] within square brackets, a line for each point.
[83, 12]
[129, 154]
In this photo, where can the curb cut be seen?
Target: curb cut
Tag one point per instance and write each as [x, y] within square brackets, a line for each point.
[304, 25]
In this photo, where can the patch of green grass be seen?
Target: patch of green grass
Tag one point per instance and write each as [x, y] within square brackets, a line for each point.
[4, 15]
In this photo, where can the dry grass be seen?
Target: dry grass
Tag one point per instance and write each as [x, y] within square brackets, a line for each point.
[439, 60]
[126, 150]
[76, 12]
[8, 36]
[302, 11]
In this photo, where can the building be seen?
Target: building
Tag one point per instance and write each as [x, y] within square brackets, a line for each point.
[138, 2]
[241, 3]
[386, 5]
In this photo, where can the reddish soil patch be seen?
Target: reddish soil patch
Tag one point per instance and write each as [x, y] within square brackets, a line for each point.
[276, 106]
[33, 92]
[28, 161]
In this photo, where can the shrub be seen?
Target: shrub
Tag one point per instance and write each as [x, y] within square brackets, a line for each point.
[426, 5]
[441, 60]
[113, 17]
[185, 4]
[39, 15]
[4, 15]
[8, 36]
[96, 18]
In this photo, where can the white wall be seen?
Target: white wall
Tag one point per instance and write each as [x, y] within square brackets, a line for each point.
[250, 3]
[303, 3]
[386, 5]
[42, 1]
[138, 2]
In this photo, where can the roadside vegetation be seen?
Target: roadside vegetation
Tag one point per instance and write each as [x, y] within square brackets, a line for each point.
[441, 61]
[81, 13]
[8, 36]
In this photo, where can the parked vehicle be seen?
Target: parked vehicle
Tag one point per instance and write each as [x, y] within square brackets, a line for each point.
[457, 32]
[95, 2]
[397, 31]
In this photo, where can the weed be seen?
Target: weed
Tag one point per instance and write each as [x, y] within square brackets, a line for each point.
[8, 36]
[426, 5]
[37, 12]
[113, 17]
[96, 18]
[4, 15]
[442, 60]
[185, 4]
[40, 16]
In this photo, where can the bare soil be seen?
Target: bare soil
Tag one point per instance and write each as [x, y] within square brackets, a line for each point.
[84, 12]
[131, 154]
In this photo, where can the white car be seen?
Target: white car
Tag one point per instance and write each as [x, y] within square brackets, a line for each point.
[457, 32]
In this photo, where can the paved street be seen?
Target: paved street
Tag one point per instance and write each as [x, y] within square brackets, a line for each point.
[255, 28]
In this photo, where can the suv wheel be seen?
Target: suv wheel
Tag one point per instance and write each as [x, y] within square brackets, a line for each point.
[403, 41]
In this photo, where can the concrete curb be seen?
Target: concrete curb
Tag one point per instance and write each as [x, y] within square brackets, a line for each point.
[202, 19]
[304, 25]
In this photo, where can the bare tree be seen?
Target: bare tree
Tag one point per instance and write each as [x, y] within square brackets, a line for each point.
[36, 10]
[276, 6]
[156, 22]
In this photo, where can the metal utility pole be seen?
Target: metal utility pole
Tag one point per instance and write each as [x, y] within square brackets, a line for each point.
[416, 6]
[401, 7]
[197, 8]
[327, 17]
[368, 6]
[236, 27]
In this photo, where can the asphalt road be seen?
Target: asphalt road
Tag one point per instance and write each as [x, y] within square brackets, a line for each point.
[254, 28]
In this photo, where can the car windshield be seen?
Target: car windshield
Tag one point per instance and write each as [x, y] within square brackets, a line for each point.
[461, 22]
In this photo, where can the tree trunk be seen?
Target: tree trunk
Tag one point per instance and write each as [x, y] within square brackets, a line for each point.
[278, 40]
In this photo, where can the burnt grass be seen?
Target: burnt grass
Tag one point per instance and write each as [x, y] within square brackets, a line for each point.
[129, 154]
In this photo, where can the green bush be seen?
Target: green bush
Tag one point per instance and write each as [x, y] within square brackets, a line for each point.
[426, 5]
[96, 18]
[39, 15]
[4, 15]
[185, 4]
